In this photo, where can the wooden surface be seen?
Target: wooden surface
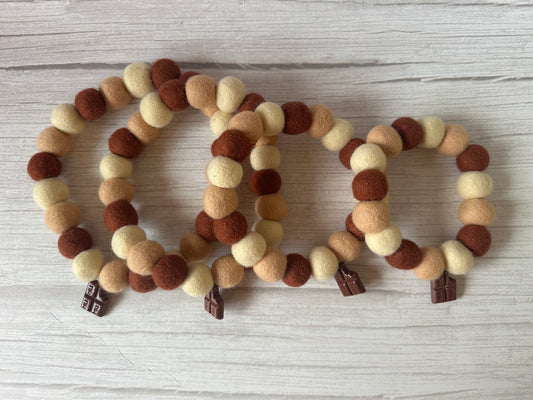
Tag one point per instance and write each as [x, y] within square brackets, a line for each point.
[469, 62]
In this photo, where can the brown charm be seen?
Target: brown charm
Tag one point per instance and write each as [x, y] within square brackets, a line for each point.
[348, 281]
[214, 303]
[95, 299]
[443, 289]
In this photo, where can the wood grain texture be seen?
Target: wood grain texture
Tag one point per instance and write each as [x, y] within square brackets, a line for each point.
[469, 62]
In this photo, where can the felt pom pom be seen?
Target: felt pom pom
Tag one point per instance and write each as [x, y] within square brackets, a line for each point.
[119, 214]
[62, 216]
[66, 118]
[173, 94]
[476, 238]
[249, 250]
[371, 216]
[271, 206]
[199, 280]
[44, 165]
[350, 227]
[193, 247]
[113, 276]
[459, 260]
[387, 138]
[141, 130]
[227, 272]
[204, 226]
[265, 157]
[90, 104]
[124, 143]
[250, 103]
[219, 202]
[154, 111]
[73, 241]
[338, 136]
[369, 185]
[368, 156]
[407, 256]
[346, 152]
[87, 265]
[431, 265]
[271, 268]
[170, 272]
[298, 270]
[434, 129]
[52, 140]
[143, 255]
[272, 231]
[272, 117]
[115, 189]
[50, 191]
[474, 158]
[249, 123]
[230, 229]
[297, 118]
[410, 131]
[476, 212]
[138, 80]
[266, 181]
[323, 262]
[385, 242]
[126, 237]
[267, 141]
[321, 120]
[113, 166]
[345, 246]
[224, 172]
[141, 283]
[230, 94]
[201, 91]
[232, 144]
[474, 184]
[114, 92]
[455, 141]
[164, 70]
[219, 122]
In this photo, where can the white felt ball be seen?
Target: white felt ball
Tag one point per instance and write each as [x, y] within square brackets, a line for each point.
[323, 262]
[272, 231]
[273, 118]
[66, 118]
[340, 133]
[224, 172]
[434, 129]
[230, 94]
[474, 185]
[124, 238]
[50, 191]
[265, 157]
[386, 242]
[219, 122]
[87, 265]
[199, 280]
[368, 156]
[154, 111]
[138, 80]
[114, 166]
[459, 260]
[249, 250]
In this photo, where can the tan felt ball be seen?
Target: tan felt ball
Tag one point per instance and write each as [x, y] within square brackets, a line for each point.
[297, 118]
[170, 272]
[338, 136]
[455, 141]
[267, 141]
[154, 111]
[138, 80]
[298, 270]
[114, 92]
[204, 226]
[199, 280]
[124, 238]
[249, 250]
[232, 144]
[113, 166]
[115, 189]
[141, 283]
[459, 260]
[52, 140]
[124, 143]
[271, 268]
[73, 241]
[219, 202]
[62, 216]
[250, 102]
[114, 276]
[371, 216]
[474, 184]
[229, 230]
[219, 122]
[368, 156]
[90, 104]
[43, 165]
[193, 247]
[164, 70]
[272, 231]
[227, 272]
[323, 262]
[386, 242]
[119, 214]
[387, 138]
[476, 212]
[249, 123]
[432, 265]
[224, 172]
[345, 155]
[87, 265]
[272, 117]
[271, 206]
[48, 192]
[66, 118]
[434, 129]
[201, 91]
[143, 255]
[141, 130]
[345, 246]
[230, 94]
[265, 157]
[321, 120]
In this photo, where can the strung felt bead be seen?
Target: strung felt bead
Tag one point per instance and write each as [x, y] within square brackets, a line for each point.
[164, 70]
[272, 118]
[62, 216]
[193, 247]
[271, 268]
[476, 238]
[266, 181]
[87, 265]
[114, 92]
[66, 118]
[350, 227]
[113, 276]
[369, 185]
[385, 242]
[124, 143]
[455, 141]
[474, 184]
[201, 92]
[230, 94]
[119, 214]
[219, 202]
[297, 118]
[249, 250]
[249, 123]
[172, 93]
[154, 111]
[338, 136]
[251, 102]
[73, 241]
[227, 272]
[143, 255]
[368, 156]
[321, 120]
[407, 256]
[141, 130]
[52, 140]
[265, 157]
[476, 212]
[90, 104]
[387, 138]
[219, 122]
[138, 80]
[459, 260]
[371, 216]
[199, 280]
[232, 144]
[346, 152]
[113, 166]
[50, 191]
[344, 245]
[115, 189]
[44, 165]
[323, 263]
[204, 226]
[434, 129]
[298, 270]
[170, 272]
[272, 231]
[474, 158]
[230, 229]
[410, 131]
[271, 206]
[141, 283]
[224, 172]
[431, 265]
[126, 237]
[267, 141]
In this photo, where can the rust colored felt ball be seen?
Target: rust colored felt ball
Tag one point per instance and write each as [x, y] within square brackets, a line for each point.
[173, 94]
[476, 238]
[407, 256]
[346, 152]
[90, 104]
[119, 214]
[124, 143]
[233, 144]
[170, 272]
[474, 158]
[410, 131]
[369, 185]
[265, 181]
[230, 229]
[204, 226]
[350, 227]
[141, 283]
[44, 165]
[297, 118]
[73, 241]
[251, 101]
[298, 270]
[164, 70]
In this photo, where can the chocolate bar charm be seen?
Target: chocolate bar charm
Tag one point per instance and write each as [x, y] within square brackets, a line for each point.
[348, 281]
[214, 303]
[95, 299]
[443, 289]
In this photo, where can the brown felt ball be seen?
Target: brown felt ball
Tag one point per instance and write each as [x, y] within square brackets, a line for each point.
[115, 189]
[474, 158]
[62, 216]
[407, 256]
[297, 118]
[350, 227]
[410, 131]
[124, 143]
[227, 272]
[387, 138]
[369, 185]
[219, 202]
[371, 216]
[265, 181]
[44, 165]
[271, 206]
[90, 104]
[233, 144]
[251, 101]
[476, 238]
[164, 70]
[114, 92]
[298, 270]
[173, 94]
[143, 255]
[345, 155]
[141, 283]
[230, 229]
[52, 140]
[249, 123]
[170, 272]
[204, 226]
[194, 247]
[119, 214]
[321, 120]
[73, 241]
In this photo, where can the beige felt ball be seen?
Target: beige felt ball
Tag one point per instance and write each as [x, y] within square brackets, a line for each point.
[250, 249]
[455, 141]
[52, 140]
[113, 166]
[219, 122]
[50, 191]
[459, 260]
[115, 189]
[371, 216]
[66, 118]
[434, 129]
[321, 120]
[137, 80]
[432, 264]
[62, 216]
[271, 206]
[272, 231]
[387, 138]
[272, 117]
[87, 265]
[224, 172]
[368, 156]
[220, 202]
[227, 272]
[386, 242]
[474, 185]
[143, 256]
[201, 92]
[141, 130]
[249, 123]
[476, 212]
[323, 262]
[271, 268]
[194, 247]
[230, 94]
[340, 133]
[114, 276]
[267, 141]
[114, 92]
[198, 281]
[265, 157]
[124, 238]
[345, 246]
[154, 111]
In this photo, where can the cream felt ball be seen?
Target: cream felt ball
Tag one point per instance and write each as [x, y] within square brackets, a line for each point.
[272, 231]
[386, 242]
[113, 166]
[434, 129]
[227, 272]
[474, 184]
[114, 276]
[340, 133]
[230, 94]
[137, 80]
[50, 191]
[62, 216]
[198, 281]
[143, 256]
[271, 268]
[220, 202]
[141, 130]
[249, 123]
[124, 238]
[249, 250]
[432, 264]
[345, 246]
[476, 212]
[265, 157]
[66, 118]
[52, 140]
[224, 172]
[87, 265]
[272, 117]
[368, 156]
[323, 262]
[387, 138]
[116, 189]
[154, 111]
[455, 141]
[459, 260]
[219, 122]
